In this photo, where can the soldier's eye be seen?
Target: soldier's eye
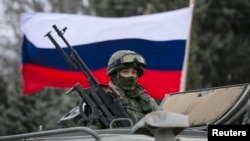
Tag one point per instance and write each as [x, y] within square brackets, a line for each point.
[124, 71]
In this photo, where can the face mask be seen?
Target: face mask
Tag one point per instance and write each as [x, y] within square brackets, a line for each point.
[127, 83]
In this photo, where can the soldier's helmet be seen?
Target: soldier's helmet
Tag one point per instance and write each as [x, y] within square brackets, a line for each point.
[125, 58]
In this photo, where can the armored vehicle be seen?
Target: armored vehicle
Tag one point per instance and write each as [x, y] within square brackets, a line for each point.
[184, 116]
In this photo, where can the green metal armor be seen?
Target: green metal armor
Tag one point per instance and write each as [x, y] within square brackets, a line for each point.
[123, 58]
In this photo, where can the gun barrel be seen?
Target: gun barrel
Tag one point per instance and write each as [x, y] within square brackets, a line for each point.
[60, 50]
[106, 106]
[76, 58]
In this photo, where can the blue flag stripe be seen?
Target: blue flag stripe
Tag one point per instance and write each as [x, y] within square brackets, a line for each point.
[96, 55]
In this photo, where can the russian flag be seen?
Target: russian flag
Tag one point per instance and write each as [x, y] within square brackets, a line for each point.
[160, 38]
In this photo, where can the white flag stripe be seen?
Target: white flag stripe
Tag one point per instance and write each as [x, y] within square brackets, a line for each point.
[89, 29]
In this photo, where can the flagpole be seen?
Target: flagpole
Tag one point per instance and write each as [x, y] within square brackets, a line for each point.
[187, 50]
[191, 2]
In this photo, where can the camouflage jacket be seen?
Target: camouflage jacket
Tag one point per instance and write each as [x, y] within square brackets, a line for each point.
[137, 102]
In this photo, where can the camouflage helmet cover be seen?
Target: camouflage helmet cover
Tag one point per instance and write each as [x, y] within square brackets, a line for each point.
[124, 58]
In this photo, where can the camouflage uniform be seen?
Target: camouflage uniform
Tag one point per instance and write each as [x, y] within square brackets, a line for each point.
[134, 98]
[136, 101]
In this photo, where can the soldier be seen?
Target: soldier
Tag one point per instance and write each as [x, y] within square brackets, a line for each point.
[124, 68]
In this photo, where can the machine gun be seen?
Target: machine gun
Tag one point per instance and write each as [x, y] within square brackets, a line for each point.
[102, 104]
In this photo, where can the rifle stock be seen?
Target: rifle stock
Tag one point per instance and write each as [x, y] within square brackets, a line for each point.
[104, 104]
